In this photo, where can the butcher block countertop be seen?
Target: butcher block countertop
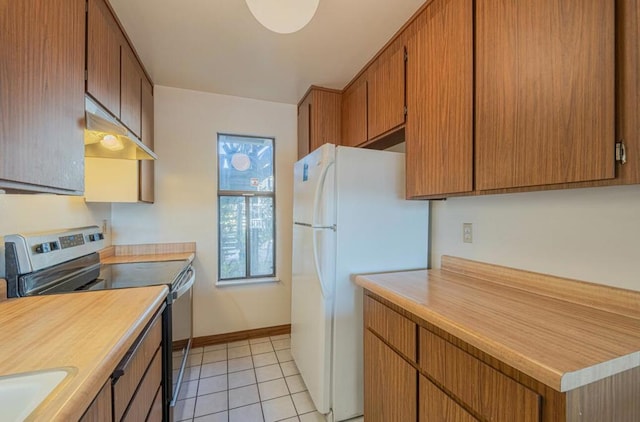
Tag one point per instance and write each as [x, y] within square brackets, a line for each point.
[120, 254]
[563, 333]
[87, 333]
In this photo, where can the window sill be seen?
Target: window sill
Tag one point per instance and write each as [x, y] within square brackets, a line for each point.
[246, 281]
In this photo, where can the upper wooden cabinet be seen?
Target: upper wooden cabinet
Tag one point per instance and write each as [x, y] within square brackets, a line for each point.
[147, 171]
[42, 96]
[385, 92]
[354, 114]
[439, 130]
[131, 91]
[103, 56]
[319, 115]
[545, 88]
[304, 126]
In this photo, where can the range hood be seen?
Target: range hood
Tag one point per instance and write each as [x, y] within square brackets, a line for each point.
[104, 137]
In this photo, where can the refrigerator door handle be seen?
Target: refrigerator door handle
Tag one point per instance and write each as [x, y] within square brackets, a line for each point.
[316, 261]
[315, 227]
[331, 227]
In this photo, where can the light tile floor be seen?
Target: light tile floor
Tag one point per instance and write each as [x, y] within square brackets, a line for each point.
[245, 381]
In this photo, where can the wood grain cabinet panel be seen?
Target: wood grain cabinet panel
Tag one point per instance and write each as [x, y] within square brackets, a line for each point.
[42, 61]
[131, 91]
[490, 393]
[395, 329]
[125, 387]
[142, 402]
[385, 98]
[354, 114]
[544, 92]
[325, 118]
[436, 406]
[439, 129]
[304, 126]
[103, 56]
[389, 383]
[147, 167]
[100, 409]
[155, 414]
[319, 119]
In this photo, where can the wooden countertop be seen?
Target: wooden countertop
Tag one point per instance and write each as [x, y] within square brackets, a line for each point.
[561, 332]
[88, 332]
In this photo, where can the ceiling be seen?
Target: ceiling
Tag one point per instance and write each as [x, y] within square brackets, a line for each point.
[218, 46]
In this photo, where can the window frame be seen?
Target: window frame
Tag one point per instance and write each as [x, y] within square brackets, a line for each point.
[247, 195]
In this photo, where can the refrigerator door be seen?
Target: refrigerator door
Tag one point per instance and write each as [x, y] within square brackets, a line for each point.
[313, 272]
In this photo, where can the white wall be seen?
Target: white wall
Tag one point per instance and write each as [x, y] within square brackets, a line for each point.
[587, 234]
[29, 213]
[185, 209]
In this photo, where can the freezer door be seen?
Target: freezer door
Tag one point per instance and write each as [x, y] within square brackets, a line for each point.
[308, 175]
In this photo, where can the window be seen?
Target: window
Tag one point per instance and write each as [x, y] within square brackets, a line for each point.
[246, 208]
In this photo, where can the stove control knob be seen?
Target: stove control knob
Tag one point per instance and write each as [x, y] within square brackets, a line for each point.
[43, 248]
[92, 237]
[54, 246]
[100, 236]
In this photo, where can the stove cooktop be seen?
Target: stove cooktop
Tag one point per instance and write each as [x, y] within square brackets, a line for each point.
[138, 274]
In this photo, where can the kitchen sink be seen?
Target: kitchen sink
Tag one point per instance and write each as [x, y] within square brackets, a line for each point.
[21, 394]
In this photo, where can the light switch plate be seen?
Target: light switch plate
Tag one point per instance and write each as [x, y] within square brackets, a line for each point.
[467, 232]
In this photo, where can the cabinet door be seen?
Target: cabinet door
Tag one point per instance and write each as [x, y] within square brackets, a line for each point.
[42, 95]
[325, 115]
[390, 392]
[354, 114]
[100, 409]
[436, 406]
[103, 56]
[439, 131]
[131, 93]
[544, 92]
[304, 126]
[147, 174]
[385, 102]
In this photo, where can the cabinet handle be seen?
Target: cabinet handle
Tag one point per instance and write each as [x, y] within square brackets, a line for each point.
[124, 363]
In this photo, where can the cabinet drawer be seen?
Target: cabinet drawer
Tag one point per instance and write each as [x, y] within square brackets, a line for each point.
[436, 406]
[395, 329]
[142, 401]
[489, 392]
[100, 409]
[155, 414]
[134, 366]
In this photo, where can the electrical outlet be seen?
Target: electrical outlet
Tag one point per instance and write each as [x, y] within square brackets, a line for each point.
[105, 227]
[467, 232]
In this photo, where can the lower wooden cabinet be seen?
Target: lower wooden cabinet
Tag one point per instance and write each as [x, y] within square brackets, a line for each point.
[135, 390]
[139, 375]
[488, 392]
[390, 383]
[451, 381]
[436, 406]
[100, 409]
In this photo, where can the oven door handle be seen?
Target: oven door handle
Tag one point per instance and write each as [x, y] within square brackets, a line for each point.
[189, 279]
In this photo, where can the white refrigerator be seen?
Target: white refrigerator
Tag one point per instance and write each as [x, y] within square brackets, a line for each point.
[350, 217]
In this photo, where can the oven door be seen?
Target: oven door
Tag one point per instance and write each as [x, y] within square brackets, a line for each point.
[181, 327]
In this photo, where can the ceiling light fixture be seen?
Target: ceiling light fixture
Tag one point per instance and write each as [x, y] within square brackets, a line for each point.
[283, 16]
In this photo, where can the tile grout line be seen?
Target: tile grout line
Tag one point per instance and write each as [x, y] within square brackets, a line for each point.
[257, 384]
